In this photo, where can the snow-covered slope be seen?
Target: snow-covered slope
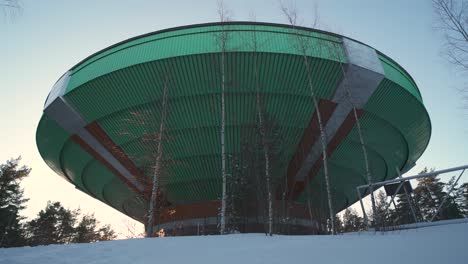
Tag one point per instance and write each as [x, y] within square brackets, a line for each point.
[435, 244]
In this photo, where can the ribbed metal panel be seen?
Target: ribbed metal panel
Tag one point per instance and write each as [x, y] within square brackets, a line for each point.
[51, 138]
[407, 114]
[396, 74]
[117, 193]
[95, 176]
[394, 139]
[202, 40]
[194, 107]
[393, 148]
[74, 159]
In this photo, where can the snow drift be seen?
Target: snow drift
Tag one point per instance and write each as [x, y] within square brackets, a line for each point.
[434, 244]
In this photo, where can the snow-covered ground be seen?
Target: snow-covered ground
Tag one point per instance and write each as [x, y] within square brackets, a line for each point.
[428, 245]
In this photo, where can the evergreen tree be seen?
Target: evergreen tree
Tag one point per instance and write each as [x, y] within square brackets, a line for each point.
[53, 225]
[87, 231]
[430, 193]
[352, 222]
[11, 202]
[58, 225]
[106, 233]
[383, 217]
[338, 225]
[451, 209]
[402, 214]
[463, 198]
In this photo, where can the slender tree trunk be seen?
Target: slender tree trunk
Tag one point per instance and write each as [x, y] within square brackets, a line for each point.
[286, 205]
[366, 160]
[222, 41]
[223, 145]
[262, 129]
[269, 191]
[361, 137]
[157, 167]
[309, 207]
[323, 141]
[291, 15]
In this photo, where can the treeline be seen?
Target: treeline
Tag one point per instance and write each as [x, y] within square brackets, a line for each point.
[53, 225]
[425, 200]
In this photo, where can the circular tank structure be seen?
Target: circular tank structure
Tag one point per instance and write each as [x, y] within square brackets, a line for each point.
[102, 121]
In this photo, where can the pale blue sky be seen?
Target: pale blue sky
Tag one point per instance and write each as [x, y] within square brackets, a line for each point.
[50, 36]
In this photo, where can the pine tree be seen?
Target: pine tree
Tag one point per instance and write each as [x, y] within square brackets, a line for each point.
[58, 225]
[106, 233]
[386, 216]
[430, 193]
[87, 231]
[463, 198]
[338, 225]
[11, 202]
[352, 222]
[451, 208]
[402, 214]
[53, 225]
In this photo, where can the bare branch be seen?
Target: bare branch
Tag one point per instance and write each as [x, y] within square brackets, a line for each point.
[11, 8]
[224, 14]
[304, 46]
[453, 17]
[11, 4]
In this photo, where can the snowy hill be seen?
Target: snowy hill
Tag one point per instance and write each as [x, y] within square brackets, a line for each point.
[435, 244]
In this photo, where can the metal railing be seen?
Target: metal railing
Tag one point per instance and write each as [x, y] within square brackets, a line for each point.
[401, 184]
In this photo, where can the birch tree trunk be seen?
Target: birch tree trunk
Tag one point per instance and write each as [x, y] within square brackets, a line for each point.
[291, 15]
[360, 135]
[157, 166]
[262, 129]
[222, 42]
[223, 147]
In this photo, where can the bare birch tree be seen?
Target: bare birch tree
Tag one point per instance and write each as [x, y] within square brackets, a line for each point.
[303, 46]
[334, 49]
[453, 18]
[157, 162]
[262, 131]
[222, 39]
[453, 21]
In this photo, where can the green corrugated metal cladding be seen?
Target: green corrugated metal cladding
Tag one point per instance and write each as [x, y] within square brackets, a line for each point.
[120, 88]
